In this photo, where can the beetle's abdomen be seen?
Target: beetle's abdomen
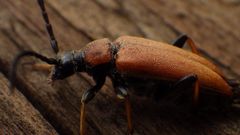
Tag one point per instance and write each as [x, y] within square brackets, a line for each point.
[165, 62]
[98, 52]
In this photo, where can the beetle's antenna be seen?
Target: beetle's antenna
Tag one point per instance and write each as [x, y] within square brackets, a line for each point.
[13, 67]
[53, 41]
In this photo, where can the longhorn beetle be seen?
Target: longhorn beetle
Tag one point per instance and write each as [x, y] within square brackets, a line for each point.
[134, 57]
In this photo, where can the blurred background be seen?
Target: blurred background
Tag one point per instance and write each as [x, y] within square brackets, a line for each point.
[37, 108]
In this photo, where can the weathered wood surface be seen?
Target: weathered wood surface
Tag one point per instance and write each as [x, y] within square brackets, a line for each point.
[18, 116]
[214, 25]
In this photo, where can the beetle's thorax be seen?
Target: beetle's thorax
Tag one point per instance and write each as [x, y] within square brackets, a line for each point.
[100, 52]
[97, 52]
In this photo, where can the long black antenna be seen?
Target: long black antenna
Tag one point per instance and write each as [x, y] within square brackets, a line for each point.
[53, 41]
[13, 67]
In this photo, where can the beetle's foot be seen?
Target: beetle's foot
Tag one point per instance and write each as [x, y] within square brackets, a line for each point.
[121, 92]
[87, 96]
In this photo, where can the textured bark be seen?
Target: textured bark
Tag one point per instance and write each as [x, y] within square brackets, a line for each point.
[212, 24]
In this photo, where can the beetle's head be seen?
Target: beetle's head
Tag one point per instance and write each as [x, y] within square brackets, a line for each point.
[65, 66]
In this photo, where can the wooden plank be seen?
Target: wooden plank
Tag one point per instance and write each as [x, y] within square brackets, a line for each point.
[18, 116]
[78, 22]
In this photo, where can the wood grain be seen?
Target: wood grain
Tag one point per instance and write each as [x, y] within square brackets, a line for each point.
[212, 24]
[18, 116]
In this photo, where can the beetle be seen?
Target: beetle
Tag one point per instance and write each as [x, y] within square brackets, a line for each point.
[130, 56]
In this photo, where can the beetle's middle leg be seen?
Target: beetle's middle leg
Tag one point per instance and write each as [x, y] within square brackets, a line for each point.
[181, 40]
[121, 91]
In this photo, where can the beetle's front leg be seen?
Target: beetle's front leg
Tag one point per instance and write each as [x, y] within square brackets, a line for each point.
[42, 67]
[38, 66]
[88, 96]
[181, 40]
[121, 91]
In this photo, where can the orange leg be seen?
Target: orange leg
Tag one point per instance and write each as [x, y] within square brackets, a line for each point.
[42, 67]
[87, 96]
[123, 95]
[192, 45]
[82, 119]
[121, 91]
[129, 115]
[196, 93]
[180, 41]
[39, 66]
[185, 82]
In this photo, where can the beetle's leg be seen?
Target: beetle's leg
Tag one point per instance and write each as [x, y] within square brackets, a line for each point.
[123, 94]
[86, 97]
[121, 91]
[42, 67]
[187, 81]
[82, 119]
[129, 115]
[38, 66]
[181, 40]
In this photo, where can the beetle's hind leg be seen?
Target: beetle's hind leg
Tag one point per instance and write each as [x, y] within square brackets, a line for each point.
[189, 80]
[181, 40]
[185, 82]
[121, 91]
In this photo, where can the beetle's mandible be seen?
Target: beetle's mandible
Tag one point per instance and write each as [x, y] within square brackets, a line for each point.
[130, 56]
